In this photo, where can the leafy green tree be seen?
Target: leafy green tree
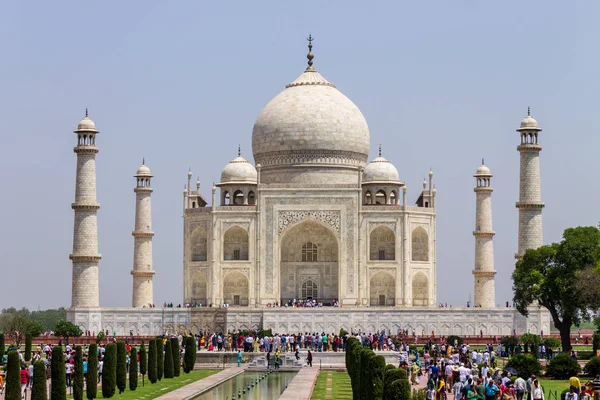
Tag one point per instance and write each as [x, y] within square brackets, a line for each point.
[455, 338]
[109, 371]
[176, 358]
[28, 340]
[160, 358]
[563, 366]
[47, 319]
[143, 361]
[13, 378]
[133, 370]
[551, 276]
[91, 381]
[16, 325]
[592, 368]
[57, 375]
[596, 342]
[152, 360]
[67, 329]
[532, 341]
[39, 390]
[2, 347]
[78, 375]
[552, 342]
[121, 366]
[168, 361]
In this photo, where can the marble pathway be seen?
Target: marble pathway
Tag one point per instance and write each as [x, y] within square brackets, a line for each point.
[202, 384]
[301, 387]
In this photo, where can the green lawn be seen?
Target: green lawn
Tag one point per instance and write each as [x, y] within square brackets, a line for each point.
[332, 385]
[151, 391]
[551, 385]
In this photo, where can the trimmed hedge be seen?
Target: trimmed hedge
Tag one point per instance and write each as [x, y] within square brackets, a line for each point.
[109, 371]
[39, 390]
[58, 377]
[353, 349]
[563, 366]
[78, 375]
[13, 378]
[121, 366]
[28, 340]
[451, 338]
[390, 376]
[376, 368]
[152, 373]
[176, 359]
[168, 362]
[595, 342]
[160, 358]
[525, 364]
[143, 360]
[188, 357]
[400, 390]
[91, 381]
[592, 368]
[133, 370]
[366, 381]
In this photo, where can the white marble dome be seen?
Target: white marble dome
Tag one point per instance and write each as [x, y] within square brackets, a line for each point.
[240, 171]
[143, 170]
[529, 123]
[483, 171]
[310, 122]
[381, 170]
[86, 125]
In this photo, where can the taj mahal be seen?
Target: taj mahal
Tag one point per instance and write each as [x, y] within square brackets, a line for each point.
[311, 219]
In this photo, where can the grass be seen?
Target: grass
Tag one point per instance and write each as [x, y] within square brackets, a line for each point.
[551, 385]
[152, 391]
[333, 385]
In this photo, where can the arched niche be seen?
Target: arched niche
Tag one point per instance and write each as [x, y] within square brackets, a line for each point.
[382, 289]
[235, 289]
[199, 243]
[420, 290]
[382, 243]
[235, 244]
[420, 244]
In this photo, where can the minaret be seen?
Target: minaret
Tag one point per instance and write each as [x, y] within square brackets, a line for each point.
[85, 256]
[484, 272]
[142, 249]
[530, 203]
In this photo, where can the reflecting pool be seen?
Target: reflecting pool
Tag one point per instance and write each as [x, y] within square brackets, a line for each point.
[257, 385]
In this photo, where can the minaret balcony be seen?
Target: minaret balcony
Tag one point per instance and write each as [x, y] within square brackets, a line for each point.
[85, 257]
[529, 147]
[85, 207]
[146, 273]
[141, 234]
[530, 204]
[484, 273]
[85, 149]
[483, 234]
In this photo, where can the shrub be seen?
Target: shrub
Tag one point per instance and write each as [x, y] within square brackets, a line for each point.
[121, 366]
[109, 371]
[194, 349]
[525, 364]
[152, 368]
[563, 366]
[563, 394]
[353, 349]
[2, 347]
[452, 338]
[168, 361]
[592, 368]
[133, 370]
[391, 375]
[160, 358]
[28, 339]
[188, 357]
[595, 342]
[176, 358]
[143, 360]
[552, 342]
[400, 390]
[39, 390]
[91, 380]
[58, 377]
[343, 332]
[13, 378]
[510, 341]
[377, 367]
[366, 380]
[533, 341]
[78, 375]
[418, 394]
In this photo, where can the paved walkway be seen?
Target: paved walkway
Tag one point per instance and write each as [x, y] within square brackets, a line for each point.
[203, 384]
[302, 385]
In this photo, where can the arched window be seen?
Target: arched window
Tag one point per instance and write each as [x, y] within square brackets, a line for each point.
[309, 252]
[382, 244]
[238, 198]
[420, 245]
[235, 244]
[309, 290]
[380, 197]
[251, 199]
[199, 243]
[420, 290]
[393, 199]
[226, 199]
[368, 199]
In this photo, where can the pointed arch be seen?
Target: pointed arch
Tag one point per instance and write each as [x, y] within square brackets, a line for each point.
[420, 244]
[235, 244]
[382, 244]
[199, 288]
[251, 198]
[420, 290]
[368, 198]
[235, 289]
[382, 289]
[381, 197]
[199, 244]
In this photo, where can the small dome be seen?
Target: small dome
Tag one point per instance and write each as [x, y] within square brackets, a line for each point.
[529, 123]
[143, 171]
[239, 170]
[483, 170]
[86, 125]
[381, 170]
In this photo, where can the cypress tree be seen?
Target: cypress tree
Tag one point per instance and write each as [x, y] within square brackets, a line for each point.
[168, 367]
[13, 377]
[121, 366]
[353, 351]
[58, 375]
[91, 382]
[376, 370]
[39, 390]
[176, 358]
[366, 382]
[188, 358]
[195, 350]
[28, 340]
[133, 370]
[109, 371]
[152, 373]
[78, 375]
[143, 361]
[2, 347]
[160, 358]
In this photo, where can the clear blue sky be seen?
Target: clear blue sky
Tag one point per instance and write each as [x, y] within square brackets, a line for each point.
[441, 83]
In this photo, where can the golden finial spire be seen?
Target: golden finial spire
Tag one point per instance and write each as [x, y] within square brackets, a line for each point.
[528, 111]
[86, 112]
[310, 55]
[239, 150]
[380, 150]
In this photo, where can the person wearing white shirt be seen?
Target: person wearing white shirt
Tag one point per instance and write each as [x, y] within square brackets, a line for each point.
[484, 371]
[463, 372]
[520, 386]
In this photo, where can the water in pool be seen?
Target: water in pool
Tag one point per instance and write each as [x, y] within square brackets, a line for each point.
[266, 388]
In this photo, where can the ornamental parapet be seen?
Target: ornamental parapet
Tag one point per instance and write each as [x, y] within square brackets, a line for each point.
[398, 208]
[85, 149]
[484, 234]
[536, 148]
[199, 210]
[148, 274]
[530, 204]
[483, 189]
[322, 157]
[143, 189]
[142, 234]
[85, 207]
[85, 257]
[483, 273]
[248, 208]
